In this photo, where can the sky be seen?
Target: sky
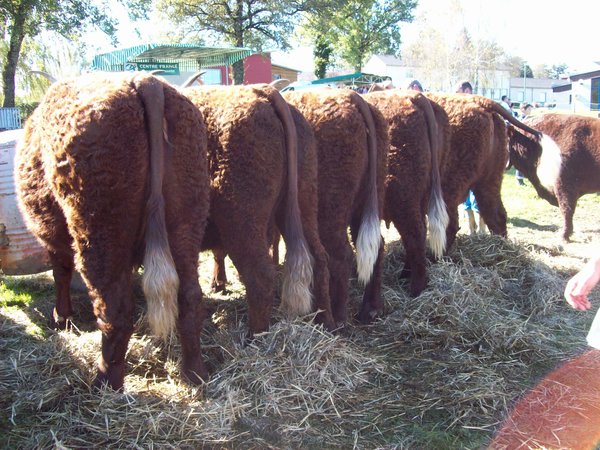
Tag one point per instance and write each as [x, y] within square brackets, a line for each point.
[539, 31]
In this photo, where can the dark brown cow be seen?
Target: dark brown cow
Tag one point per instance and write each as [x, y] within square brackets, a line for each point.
[564, 164]
[252, 145]
[111, 174]
[476, 157]
[352, 145]
[412, 187]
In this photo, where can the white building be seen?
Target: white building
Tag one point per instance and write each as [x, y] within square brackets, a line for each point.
[582, 90]
[389, 65]
[538, 91]
[490, 83]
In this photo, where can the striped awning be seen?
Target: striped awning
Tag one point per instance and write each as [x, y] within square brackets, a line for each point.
[189, 57]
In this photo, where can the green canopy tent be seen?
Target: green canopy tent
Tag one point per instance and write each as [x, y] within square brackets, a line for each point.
[353, 80]
[172, 58]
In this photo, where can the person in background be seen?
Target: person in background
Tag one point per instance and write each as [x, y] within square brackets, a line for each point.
[470, 204]
[526, 109]
[507, 104]
[415, 86]
[464, 88]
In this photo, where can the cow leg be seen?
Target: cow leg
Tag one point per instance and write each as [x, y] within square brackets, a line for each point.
[113, 307]
[453, 225]
[372, 304]
[62, 271]
[189, 324]
[340, 268]
[567, 202]
[256, 271]
[219, 279]
[321, 278]
[413, 230]
[490, 204]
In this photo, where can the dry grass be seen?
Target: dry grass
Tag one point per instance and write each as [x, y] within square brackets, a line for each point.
[438, 371]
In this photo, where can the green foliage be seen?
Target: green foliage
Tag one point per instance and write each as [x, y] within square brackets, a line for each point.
[13, 295]
[361, 28]
[322, 54]
[26, 109]
[557, 70]
[254, 24]
[525, 71]
[28, 18]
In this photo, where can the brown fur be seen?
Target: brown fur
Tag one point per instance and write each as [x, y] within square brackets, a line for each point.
[412, 186]
[253, 162]
[578, 139]
[98, 186]
[351, 172]
[476, 159]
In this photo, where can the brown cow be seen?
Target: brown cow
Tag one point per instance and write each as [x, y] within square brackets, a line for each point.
[352, 145]
[252, 152]
[476, 157]
[111, 174]
[412, 187]
[564, 165]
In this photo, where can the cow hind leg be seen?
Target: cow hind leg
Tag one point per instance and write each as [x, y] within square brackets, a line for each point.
[257, 273]
[413, 233]
[453, 224]
[113, 306]
[567, 203]
[491, 208]
[62, 271]
[219, 279]
[340, 268]
[189, 324]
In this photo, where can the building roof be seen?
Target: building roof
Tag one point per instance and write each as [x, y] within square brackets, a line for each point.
[189, 57]
[389, 60]
[284, 67]
[562, 87]
[539, 83]
[584, 75]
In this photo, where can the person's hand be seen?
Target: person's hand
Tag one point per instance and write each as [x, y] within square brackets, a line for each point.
[581, 284]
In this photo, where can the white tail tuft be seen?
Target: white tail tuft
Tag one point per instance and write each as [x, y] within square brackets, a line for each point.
[160, 284]
[438, 222]
[367, 247]
[296, 296]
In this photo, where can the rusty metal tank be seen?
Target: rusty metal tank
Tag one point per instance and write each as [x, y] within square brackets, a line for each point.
[20, 251]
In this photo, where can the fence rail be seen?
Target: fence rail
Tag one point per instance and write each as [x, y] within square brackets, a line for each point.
[10, 118]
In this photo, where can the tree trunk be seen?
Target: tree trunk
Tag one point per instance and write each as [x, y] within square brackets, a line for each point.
[238, 72]
[12, 59]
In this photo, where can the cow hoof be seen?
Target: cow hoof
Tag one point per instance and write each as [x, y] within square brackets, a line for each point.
[367, 315]
[219, 288]
[58, 322]
[195, 372]
[405, 273]
[113, 379]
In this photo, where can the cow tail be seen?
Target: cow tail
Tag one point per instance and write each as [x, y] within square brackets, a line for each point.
[506, 115]
[296, 296]
[437, 214]
[369, 234]
[160, 281]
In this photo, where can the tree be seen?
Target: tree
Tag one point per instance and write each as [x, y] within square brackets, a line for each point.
[557, 70]
[243, 23]
[525, 71]
[22, 19]
[361, 28]
[444, 61]
[322, 54]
